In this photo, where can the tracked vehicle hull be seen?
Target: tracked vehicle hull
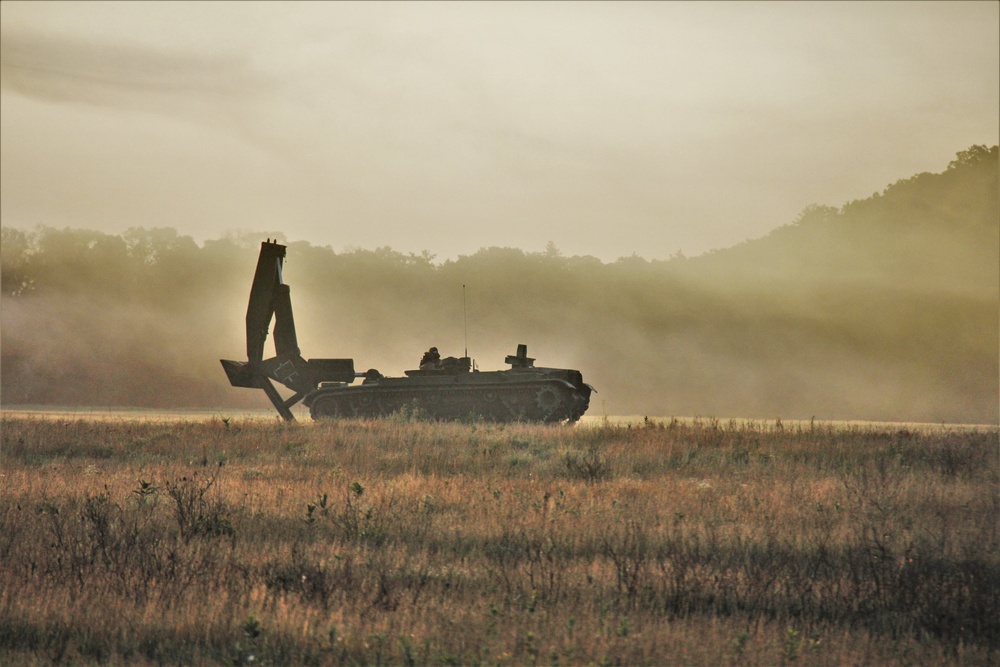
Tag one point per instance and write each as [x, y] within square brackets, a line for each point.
[450, 388]
[500, 396]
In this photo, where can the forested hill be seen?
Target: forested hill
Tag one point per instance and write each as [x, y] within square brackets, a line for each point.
[887, 308]
[910, 234]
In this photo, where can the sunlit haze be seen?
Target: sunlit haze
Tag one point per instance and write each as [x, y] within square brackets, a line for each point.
[605, 128]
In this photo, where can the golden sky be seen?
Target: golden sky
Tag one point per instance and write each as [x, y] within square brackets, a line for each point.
[606, 128]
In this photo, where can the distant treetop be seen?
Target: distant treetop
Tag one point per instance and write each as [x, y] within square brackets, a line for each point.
[972, 155]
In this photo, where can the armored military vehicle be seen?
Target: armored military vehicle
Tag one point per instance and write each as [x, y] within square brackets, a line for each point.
[450, 388]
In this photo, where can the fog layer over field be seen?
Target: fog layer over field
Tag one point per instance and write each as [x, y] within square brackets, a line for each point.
[885, 309]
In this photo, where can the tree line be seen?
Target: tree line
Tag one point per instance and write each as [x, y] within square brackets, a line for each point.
[884, 308]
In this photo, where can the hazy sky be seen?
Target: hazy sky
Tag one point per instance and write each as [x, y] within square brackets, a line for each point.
[607, 128]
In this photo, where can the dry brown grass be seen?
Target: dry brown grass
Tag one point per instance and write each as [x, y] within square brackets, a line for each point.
[405, 542]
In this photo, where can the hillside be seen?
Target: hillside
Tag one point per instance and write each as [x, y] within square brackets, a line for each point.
[886, 308]
[891, 301]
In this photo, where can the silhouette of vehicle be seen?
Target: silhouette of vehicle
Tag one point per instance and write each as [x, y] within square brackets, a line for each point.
[452, 390]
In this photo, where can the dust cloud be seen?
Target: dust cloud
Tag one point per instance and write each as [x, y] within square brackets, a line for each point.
[886, 308]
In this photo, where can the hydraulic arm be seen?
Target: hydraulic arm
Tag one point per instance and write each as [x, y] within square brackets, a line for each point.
[270, 297]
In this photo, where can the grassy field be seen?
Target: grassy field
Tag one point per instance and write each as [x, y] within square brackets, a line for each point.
[402, 542]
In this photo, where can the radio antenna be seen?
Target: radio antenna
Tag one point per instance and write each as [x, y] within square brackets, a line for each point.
[465, 321]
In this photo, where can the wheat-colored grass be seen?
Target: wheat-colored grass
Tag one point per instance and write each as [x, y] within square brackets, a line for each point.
[407, 542]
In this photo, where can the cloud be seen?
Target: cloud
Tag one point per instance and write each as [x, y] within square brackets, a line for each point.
[79, 70]
[608, 128]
